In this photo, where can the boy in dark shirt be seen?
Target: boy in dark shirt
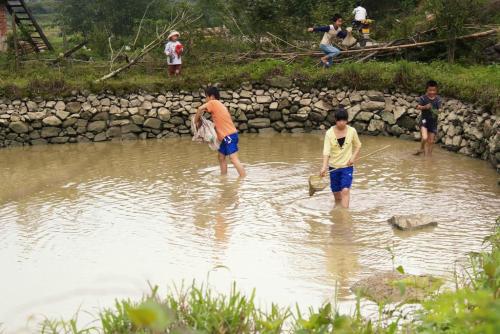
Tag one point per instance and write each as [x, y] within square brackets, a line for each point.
[429, 104]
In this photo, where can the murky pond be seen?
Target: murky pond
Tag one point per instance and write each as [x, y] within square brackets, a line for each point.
[83, 224]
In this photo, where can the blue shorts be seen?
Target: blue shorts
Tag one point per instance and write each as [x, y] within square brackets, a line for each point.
[341, 178]
[229, 144]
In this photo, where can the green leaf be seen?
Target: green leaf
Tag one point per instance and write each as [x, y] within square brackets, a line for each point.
[400, 269]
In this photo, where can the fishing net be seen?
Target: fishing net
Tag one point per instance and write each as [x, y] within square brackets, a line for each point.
[317, 183]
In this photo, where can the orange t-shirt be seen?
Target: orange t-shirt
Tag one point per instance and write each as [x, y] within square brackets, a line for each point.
[222, 119]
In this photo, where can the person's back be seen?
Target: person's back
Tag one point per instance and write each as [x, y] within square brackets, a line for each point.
[224, 125]
[360, 14]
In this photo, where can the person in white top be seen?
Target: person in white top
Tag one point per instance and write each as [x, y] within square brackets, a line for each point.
[174, 50]
[360, 14]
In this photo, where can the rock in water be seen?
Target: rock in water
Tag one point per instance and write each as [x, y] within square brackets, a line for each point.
[412, 222]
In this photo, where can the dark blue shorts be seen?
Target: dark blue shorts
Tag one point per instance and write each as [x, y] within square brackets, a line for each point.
[341, 178]
[430, 124]
[229, 144]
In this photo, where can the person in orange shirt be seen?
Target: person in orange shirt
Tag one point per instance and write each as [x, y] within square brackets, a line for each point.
[226, 131]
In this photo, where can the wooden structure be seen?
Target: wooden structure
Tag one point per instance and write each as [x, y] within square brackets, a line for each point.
[28, 28]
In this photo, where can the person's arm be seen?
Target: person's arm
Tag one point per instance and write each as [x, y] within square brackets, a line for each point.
[356, 143]
[326, 156]
[199, 114]
[422, 106]
[320, 29]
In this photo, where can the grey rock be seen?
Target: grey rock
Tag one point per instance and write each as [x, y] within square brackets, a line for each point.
[176, 120]
[59, 140]
[100, 137]
[73, 107]
[62, 115]
[372, 106]
[152, 123]
[376, 126]
[407, 122]
[398, 112]
[19, 127]
[114, 132]
[375, 96]
[275, 116]
[259, 123]
[264, 99]
[52, 121]
[412, 222]
[102, 116]
[364, 116]
[49, 132]
[164, 114]
[97, 126]
[32, 106]
[388, 117]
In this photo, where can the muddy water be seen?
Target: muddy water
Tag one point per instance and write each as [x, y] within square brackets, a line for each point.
[83, 224]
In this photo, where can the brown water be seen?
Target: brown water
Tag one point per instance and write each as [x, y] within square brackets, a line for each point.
[83, 224]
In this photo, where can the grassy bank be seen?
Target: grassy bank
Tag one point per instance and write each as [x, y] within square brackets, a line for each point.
[478, 83]
[473, 307]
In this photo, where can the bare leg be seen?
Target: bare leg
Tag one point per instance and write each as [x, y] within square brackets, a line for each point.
[346, 198]
[223, 164]
[338, 197]
[237, 164]
[430, 143]
[423, 141]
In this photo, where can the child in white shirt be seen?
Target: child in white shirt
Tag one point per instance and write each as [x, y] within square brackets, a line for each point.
[174, 50]
[360, 14]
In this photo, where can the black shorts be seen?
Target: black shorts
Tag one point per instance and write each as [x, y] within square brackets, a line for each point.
[430, 124]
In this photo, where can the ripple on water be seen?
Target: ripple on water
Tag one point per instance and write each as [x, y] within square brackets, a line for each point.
[160, 212]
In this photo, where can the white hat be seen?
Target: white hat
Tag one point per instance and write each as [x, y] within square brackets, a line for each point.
[173, 33]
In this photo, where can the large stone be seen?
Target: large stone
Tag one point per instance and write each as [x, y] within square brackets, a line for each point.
[323, 105]
[317, 117]
[60, 105]
[398, 112]
[372, 106]
[375, 96]
[353, 111]
[264, 99]
[102, 116]
[36, 116]
[97, 126]
[376, 125]
[69, 122]
[138, 119]
[164, 114]
[280, 82]
[364, 116]
[259, 123]
[412, 222]
[131, 128]
[114, 132]
[52, 121]
[152, 123]
[283, 104]
[294, 125]
[355, 97]
[32, 106]
[100, 137]
[62, 114]
[407, 122]
[74, 107]
[19, 127]
[49, 132]
[177, 120]
[275, 116]
[388, 117]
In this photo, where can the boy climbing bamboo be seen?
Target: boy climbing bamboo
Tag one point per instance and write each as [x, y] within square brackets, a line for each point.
[429, 104]
[331, 33]
[226, 131]
[340, 152]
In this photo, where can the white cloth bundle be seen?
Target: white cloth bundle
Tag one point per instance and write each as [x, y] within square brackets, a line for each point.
[205, 133]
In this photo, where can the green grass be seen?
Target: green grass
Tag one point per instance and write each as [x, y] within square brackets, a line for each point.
[478, 83]
[473, 307]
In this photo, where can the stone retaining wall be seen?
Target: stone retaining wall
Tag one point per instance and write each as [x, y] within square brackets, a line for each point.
[83, 117]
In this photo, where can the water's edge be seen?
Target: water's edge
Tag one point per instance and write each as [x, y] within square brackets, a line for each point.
[85, 117]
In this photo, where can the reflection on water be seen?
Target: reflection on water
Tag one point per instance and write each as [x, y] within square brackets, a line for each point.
[83, 224]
